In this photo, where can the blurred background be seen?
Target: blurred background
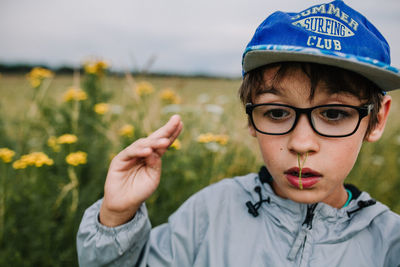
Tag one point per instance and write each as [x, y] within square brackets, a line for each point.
[206, 37]
[81, 80]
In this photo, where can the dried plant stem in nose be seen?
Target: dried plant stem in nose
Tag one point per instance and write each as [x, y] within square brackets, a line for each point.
[301, 165]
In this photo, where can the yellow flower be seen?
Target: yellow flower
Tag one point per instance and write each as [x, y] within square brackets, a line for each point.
[169, 97]
[67, 139]
[37, 75]
[19, 165]
[96, 67]
[176, 145]
[6, 154]
[90, 69]
[52, 143]
[209, 137]
[101, 108]
[37, 159]
[221, 139]
[144, 88]
[76, 158]
[74, 94]
[127, 130]
[205, 138]
[35, 82]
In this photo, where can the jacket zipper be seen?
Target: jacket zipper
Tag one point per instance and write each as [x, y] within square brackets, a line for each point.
[301, 237]
[309, 216]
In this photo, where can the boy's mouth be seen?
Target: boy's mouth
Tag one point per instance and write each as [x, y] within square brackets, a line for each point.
[309, 177]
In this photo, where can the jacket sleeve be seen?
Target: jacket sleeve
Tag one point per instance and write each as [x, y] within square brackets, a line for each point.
[99, 245]
[392, 239]
[174, 243]
[177, 242]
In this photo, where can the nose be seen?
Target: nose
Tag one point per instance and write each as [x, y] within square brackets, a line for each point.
[303, 138]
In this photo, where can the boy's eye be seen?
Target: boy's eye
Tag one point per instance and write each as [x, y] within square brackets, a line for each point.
[334, 114]
[277, 114]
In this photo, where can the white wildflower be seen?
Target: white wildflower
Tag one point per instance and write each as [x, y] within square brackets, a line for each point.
[222, 99]
[378, 160]
[116, 109]
[173, 108]
[214, 147]
[203, 98]
[215, 109]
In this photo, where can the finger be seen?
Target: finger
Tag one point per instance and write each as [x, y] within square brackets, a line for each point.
[153, 161]
[176, 132]
[157, 141]
[143, 148]
[168, 129]
[134, 152]
[126, 159]
[160, 151]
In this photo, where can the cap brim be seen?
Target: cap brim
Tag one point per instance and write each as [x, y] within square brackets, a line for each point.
[383, 75]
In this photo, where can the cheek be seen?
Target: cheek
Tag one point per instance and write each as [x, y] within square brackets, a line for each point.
[272, 150]
[344, 155]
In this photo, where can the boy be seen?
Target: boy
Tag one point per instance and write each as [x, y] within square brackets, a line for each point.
[314, 90]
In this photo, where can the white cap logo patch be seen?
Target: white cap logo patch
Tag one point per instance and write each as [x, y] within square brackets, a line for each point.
[324, 25]
[327, 20]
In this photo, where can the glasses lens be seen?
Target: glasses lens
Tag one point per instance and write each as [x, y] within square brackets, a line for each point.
[273, 119]
[335, 120]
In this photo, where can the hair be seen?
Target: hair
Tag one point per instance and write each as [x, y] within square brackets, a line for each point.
[336, 80]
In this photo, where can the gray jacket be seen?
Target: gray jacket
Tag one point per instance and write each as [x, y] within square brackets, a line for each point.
[215, 227]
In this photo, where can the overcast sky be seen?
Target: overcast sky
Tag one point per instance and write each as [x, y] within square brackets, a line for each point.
[206, 36]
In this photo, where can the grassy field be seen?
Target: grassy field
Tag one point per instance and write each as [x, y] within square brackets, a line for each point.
[43, 195]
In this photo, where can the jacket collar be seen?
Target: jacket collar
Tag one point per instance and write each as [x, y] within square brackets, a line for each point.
[344, 222]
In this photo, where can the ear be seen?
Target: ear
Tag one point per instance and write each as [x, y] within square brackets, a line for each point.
[252, 131]
[377, 132]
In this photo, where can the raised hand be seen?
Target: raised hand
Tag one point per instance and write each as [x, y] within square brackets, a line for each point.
[134, 174]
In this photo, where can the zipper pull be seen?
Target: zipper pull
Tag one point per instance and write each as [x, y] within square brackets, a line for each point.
[309, 215]
[297, 244]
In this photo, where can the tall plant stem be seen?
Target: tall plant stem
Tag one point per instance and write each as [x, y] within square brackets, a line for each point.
[76, 104]
[71, 186]
[3, 193]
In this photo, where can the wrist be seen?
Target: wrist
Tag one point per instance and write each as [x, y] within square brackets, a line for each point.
[112, 218]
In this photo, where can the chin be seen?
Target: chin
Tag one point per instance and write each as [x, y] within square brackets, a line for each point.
[304, 196]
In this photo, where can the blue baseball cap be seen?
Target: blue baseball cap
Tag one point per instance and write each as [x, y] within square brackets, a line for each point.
[331, 34]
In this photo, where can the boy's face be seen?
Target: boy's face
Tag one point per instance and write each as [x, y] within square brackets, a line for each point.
[329, 160]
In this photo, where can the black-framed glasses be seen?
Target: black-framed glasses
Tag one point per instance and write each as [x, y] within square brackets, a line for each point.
[333, 120]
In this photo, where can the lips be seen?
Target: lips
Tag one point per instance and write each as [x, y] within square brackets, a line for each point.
[309, 177]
